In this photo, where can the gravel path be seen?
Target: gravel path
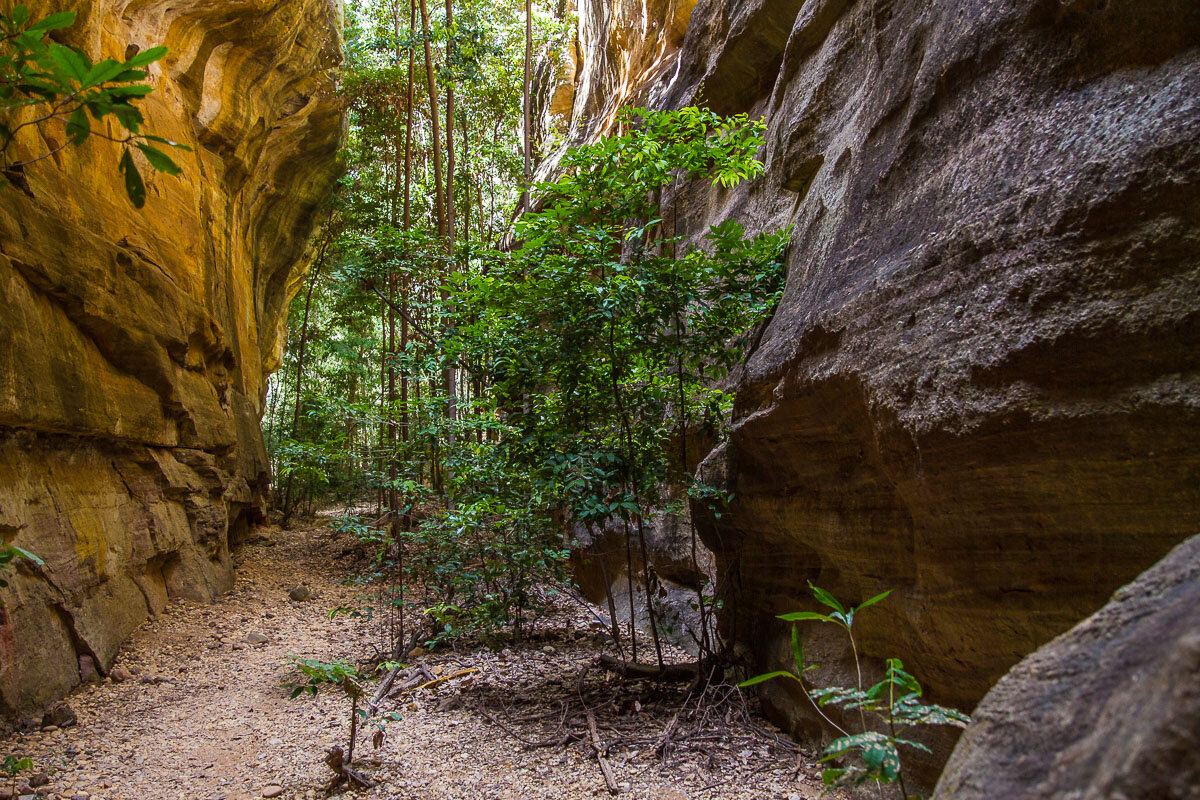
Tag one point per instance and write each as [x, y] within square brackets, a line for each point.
[201, 714]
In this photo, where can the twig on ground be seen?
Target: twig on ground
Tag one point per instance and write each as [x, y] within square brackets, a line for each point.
[554, 741]
[599, 751]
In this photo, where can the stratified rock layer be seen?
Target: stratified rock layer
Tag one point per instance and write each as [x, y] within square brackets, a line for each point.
[981, 389]
[134, 345]
[1110, 709]
[619, 52]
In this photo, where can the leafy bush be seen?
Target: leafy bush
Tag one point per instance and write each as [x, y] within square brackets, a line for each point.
[606, 332]
[482, 557]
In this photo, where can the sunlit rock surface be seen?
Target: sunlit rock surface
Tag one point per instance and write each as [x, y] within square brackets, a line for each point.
[619, 52]
[134, 345]
[981, 388]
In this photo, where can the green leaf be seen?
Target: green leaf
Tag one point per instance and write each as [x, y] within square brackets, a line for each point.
[73, 63]
[873, 600]
[158, 159]
[757, 679]
[134, 187]
[802, 616]
[106, 70]
[168, 142]
[831, 777]
[797, 650]
[26, 554]
[63, 19]
[78, 126]
[848, 696]
[147, 57]
[825, 598]
[128, 116]
[132, 90]
[914, 745]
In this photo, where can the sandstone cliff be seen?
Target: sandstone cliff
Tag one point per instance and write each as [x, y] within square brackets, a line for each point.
[134, 346]
[981, 388]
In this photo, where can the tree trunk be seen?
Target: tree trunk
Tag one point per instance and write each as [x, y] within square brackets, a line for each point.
[450, 205]
[302, 347]
[439, 208]
[525, 94]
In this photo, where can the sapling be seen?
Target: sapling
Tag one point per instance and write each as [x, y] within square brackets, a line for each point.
[896, 700]
[12, 767]
[316, 674]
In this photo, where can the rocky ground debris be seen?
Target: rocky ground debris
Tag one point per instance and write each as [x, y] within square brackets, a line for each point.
[195, 709]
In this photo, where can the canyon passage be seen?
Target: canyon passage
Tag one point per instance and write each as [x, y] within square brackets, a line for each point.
[674, 398]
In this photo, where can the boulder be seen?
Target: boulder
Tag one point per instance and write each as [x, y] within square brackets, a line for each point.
[1110, 709]
[59, 715]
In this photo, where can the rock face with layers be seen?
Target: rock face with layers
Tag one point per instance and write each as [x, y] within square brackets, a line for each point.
[134, 345]
[1110, 709]
[981, 389]
[618, 52]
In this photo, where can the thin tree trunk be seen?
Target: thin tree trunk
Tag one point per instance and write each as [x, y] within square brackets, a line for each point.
[632, 603]
[380, 445]
[450, 204]
[525, 104]
[466, 143]
[625, 423]
[439, 208]
[300, 352]
[439, 198]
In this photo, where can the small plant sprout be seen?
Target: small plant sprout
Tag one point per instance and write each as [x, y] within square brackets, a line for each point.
[314, 674]
[14, 766]
[895, 700]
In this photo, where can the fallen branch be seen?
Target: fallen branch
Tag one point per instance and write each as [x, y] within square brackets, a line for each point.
[661, 748]
[381, 692]
[386, 685]
[649, 672]
[601, 759]
[436, 681]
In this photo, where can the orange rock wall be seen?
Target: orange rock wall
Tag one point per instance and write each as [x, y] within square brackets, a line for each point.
[135, 345]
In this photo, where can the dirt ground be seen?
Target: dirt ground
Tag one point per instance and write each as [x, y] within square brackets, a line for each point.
[202, 714]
